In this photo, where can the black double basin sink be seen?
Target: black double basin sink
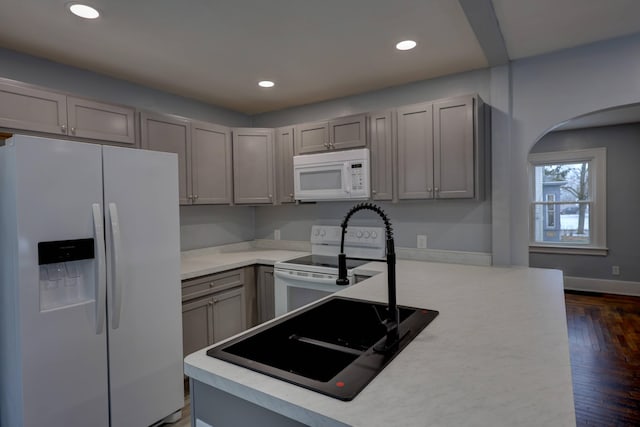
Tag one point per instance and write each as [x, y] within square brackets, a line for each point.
[327, 347]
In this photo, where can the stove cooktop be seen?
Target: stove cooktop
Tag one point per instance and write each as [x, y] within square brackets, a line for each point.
[326, 261]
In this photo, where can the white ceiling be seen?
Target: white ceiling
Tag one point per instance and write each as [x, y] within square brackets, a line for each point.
[216, 51]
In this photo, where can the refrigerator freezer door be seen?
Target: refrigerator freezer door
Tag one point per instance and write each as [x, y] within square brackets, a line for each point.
[145, 344]
[64, 360]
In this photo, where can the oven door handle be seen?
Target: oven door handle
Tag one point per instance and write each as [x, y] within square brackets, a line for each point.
[310, 279]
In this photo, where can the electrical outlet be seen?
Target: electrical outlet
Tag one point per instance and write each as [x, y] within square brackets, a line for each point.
[276, 234]
[422, 241]
[615, 270]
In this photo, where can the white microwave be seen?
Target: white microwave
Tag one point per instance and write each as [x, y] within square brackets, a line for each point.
[337, 175]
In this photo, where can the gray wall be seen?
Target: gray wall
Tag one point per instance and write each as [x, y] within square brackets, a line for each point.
[56, 76]
[623, 202]
[203, 226]
[452, 225]
[449, 224]
[547, 90]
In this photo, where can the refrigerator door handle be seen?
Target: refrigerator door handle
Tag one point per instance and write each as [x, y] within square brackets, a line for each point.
[101, 277]
[116, 283]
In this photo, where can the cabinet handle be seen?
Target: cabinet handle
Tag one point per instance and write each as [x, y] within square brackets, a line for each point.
[73, 131]
[63, 128]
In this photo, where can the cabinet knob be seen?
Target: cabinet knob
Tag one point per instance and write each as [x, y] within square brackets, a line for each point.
[429, 190]
[270, 196]
[190, 197]
[63, 128]
[374, 192]
[211, 285]
[73, 131]
[436, 189]
[291, 195]
[210, 302]
[326, 145]
[195, 197]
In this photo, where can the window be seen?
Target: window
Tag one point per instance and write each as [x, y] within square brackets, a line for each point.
[568, 202]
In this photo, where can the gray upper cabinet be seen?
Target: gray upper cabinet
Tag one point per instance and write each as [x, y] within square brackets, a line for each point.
[96, 120]
[172, 135]
[382, 141]
[253, 166]
[337, 134]
[440, 149]
[415, 152]
[453, 130]
[284, 164]
[311, 137]
[32, 109]
[27, 108]
[348, 132]
[211, 164]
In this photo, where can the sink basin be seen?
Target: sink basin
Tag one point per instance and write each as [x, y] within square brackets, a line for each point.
[327, 347]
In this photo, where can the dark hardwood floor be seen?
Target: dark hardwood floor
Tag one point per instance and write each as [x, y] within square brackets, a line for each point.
[604, 342]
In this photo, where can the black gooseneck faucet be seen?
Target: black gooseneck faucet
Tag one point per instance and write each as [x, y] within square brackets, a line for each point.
[393, 317]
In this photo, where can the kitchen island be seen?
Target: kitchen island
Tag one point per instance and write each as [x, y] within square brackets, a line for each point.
[497, 355]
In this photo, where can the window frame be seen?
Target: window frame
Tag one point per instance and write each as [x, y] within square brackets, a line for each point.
[597, 158]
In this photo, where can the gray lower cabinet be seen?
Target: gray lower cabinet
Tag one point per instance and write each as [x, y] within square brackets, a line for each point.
[338, 134]
[382, 142]
[266, 293]
[440, 152]
[161, 132]
[23, 107]
[213, 308]
[284, 165]
[253, 166]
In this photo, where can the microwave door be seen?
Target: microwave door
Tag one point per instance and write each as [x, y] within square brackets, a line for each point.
[321, 182]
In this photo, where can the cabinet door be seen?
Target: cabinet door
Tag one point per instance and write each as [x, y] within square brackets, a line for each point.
[454, 148]
[284, 165]
[266, 294]
[311, 137]
[253, 174]
[415, 152]
[211, 163]
[348, 132]
[197, 325]
[228, 314]
[95, 120]
[31, 109]
[170, 134]
[382, 155]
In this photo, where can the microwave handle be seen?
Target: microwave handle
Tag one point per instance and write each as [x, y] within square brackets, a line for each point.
[347, 184]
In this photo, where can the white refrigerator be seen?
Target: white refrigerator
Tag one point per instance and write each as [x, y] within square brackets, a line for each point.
[90, 315]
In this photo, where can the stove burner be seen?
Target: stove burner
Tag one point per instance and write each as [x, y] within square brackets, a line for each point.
[326, 261]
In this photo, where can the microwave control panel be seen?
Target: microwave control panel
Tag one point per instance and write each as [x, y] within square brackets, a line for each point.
[357, 178]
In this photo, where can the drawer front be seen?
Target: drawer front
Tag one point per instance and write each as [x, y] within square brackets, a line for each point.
[201, 286]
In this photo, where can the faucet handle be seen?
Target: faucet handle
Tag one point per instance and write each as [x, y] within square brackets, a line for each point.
[342, 279]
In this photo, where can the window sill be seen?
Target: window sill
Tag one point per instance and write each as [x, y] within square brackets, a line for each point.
[569, 250]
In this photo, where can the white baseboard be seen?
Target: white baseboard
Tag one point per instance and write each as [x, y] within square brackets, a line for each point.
[618, 287]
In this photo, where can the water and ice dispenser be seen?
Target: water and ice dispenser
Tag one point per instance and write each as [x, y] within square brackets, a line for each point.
[66, 268]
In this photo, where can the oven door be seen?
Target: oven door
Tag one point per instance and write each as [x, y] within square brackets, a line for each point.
[294, 288]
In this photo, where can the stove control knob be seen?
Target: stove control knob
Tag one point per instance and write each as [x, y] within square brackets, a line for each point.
[317, 233]
[359, 234]
[323, 233]
[367, 234]
[374, 234]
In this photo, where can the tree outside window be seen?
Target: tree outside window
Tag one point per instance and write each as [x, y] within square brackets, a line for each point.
[568, 203]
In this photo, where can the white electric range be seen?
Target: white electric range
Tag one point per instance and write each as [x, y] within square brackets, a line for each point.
[303, 280]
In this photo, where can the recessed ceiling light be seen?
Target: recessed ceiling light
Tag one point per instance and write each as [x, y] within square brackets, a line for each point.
[83, 11]
[266, 83]
[406, 45]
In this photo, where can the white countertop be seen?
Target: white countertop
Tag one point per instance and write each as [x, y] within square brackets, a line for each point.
[497, 355]
[200, 262]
